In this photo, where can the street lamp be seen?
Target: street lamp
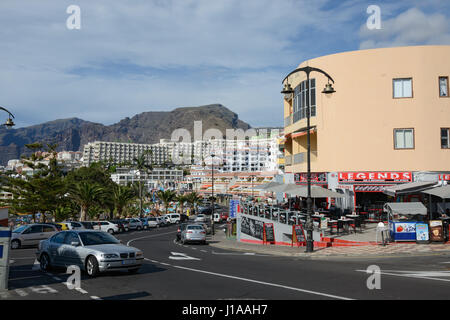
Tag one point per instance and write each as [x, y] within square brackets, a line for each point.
[288, 94]
[212, 191]
[9, 122]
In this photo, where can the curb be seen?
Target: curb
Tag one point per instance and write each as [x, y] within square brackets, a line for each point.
[318, 255]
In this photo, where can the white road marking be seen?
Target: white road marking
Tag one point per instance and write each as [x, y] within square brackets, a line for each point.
[4, 295]
[151, 236]
[95, 298]
[81, 290]
[203, 251]
[416, 275]
[166, 264]
[43, 289]
[21, 293]
[266, 283]
[36, 265]
[11, 261]
[181, 256]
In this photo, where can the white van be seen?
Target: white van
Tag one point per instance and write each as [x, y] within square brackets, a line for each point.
[173, 217]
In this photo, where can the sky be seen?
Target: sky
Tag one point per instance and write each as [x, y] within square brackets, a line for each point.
[134, 56]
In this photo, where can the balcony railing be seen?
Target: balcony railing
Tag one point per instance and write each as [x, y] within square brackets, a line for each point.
[302, 157]
[288, 160]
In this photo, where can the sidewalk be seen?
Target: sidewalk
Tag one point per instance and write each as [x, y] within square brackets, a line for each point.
[219, 240]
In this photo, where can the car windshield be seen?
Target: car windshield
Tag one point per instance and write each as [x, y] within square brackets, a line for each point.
[96, 238]
[19, 229]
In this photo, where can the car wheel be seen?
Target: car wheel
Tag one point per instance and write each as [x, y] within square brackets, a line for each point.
[45, 262]
[15, 244]
[110, 231]
[127, 229]
[92, 266]
[133, 271]
[138, 228]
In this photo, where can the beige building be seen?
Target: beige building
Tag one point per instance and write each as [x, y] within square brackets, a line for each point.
[388, 121]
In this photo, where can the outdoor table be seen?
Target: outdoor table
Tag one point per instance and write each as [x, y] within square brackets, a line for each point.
[346, 223]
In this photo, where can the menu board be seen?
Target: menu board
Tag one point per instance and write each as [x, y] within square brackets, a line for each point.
[436, 231]
[298, 234]
[253, 228]
[422, 233]
[269, 235]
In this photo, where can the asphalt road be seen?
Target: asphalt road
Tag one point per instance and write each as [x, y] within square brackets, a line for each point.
[202, 272]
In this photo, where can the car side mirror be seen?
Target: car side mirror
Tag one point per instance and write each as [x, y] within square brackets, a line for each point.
[75, 244]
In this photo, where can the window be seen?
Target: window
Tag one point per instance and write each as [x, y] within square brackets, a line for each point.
[71, 237]
[445, 138]
[443, 86]
[403, 88]
[59, 237]
[48, 229]
[300, 100]
[404, 138]
[34, 229]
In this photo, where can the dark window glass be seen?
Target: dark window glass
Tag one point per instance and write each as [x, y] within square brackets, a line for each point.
[35, 229]
[59, 238]
[71, 237]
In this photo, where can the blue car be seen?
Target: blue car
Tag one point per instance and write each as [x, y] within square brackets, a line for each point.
[144, 223]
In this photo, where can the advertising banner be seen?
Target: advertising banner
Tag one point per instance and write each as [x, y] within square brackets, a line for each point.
[375, 176]
[436, 231]
[422, 233]
[234, 204]
[253, 228]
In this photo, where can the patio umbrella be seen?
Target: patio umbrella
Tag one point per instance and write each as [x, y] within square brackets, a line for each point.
[281, 188]
[316, 192]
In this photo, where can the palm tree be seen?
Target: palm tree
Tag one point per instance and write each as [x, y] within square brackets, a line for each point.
[166, 197]
[122, 196]
[181, 199]
[193, 199]
[85, 195]
[140, 164]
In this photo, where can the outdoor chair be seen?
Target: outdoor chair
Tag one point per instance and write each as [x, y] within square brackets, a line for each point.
[356, 224]
[336, 225]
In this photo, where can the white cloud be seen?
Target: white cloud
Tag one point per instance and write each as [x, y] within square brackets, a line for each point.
[412, 27]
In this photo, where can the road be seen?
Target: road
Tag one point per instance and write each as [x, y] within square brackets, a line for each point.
[202, 272]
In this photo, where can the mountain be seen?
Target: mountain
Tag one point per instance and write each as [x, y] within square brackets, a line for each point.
[147, 127]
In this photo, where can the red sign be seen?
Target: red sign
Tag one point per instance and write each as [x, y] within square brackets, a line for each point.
[444, 177]
[318, 178]
[375, 176]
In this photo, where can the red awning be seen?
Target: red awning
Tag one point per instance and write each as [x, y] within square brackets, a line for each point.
[303, 133]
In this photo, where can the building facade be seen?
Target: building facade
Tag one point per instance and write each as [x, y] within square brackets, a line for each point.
[387, 123]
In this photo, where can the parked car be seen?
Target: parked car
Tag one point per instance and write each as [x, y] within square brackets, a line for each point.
[120, 224]
[93, 251]
[206, 211]
[73, 225]
[31, 234]
[135, 224]
[183, 218]
[154, 222]
[144, 223]
[181, 228]
[193, 233]
[87, 225]
[165, 220]
[173, 218]
[58, 226]
[126, 224]
[106, 226]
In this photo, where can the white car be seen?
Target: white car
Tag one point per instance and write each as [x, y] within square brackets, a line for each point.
[105, 226]
[135, 224]
[173, 217]
[154, 222]
[200, 218]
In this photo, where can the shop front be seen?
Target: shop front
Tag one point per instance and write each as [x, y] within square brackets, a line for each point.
[318, 179]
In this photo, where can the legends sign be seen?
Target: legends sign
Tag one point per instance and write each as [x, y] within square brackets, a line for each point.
[375, 176]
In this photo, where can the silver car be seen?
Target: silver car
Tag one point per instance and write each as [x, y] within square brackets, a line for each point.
[91, 250]
[31, 235]
[193, 233]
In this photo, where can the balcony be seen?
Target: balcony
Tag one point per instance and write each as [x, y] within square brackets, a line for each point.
[288, 160]
[302, 157]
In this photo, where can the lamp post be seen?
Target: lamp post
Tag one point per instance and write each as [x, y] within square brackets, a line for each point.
[9, 122]
[288, 91]
[212, 191]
